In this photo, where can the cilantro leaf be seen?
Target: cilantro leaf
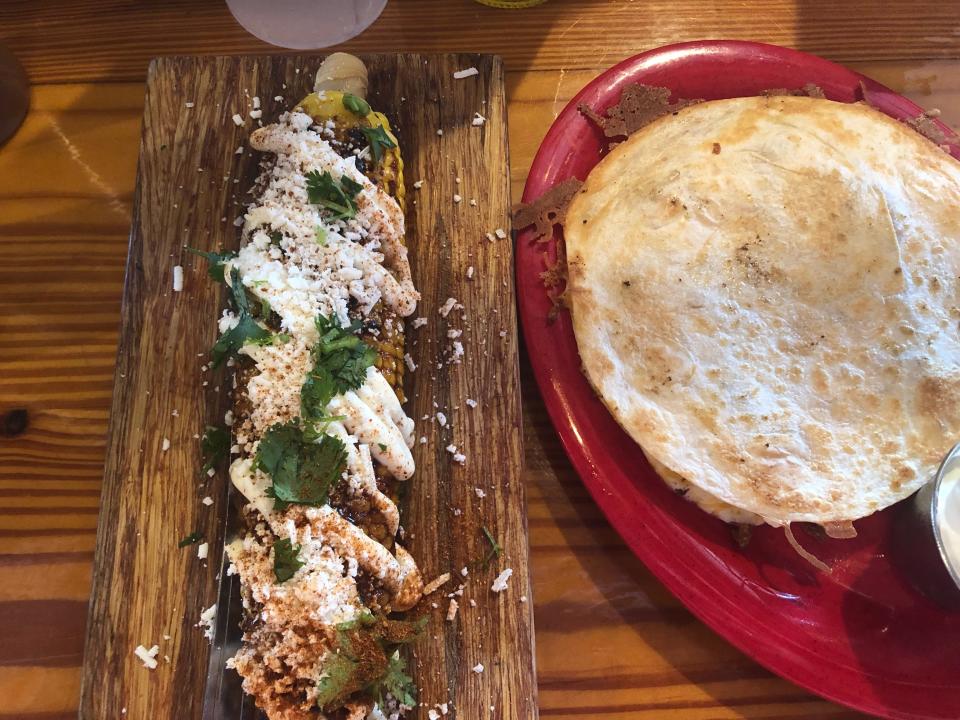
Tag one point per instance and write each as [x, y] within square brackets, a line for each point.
[214, 446]
[285, 560]
[302, 472]
[495, 548]
[340, 362]
[191, 539]
[378, 140]
[216, 260]
[336, 197]
[356, 105]
[336, 681]
[396, 682]
[321, 465]
[247, 330]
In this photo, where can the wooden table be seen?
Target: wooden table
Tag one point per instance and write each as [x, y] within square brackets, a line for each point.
[611, 642]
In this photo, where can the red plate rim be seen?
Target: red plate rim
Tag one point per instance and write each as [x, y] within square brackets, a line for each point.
[564, 388]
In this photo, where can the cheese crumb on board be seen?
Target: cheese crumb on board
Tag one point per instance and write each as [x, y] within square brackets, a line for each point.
[207, 620]
[471, 402]
[480, 493]
[478, 120]
[447, 306]
[500, 233]
[208, 501]
[435, 584]
[177, 278]
[202, 549]
[237, 119]
[465, 73]
[452, 610]
[165, 445]
[500, 584]
[148, 657]
[478, 668]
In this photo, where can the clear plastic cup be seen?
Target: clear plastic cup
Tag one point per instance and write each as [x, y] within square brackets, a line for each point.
[306, 24]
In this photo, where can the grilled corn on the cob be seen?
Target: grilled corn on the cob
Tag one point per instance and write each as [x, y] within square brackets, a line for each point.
[321, 278]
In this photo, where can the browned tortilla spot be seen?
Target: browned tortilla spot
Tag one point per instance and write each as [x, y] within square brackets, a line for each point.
[926, 126]
[810, 90]
[554, 277]
[840, 530]
[548, 210]
[639, 106]
[741, 534]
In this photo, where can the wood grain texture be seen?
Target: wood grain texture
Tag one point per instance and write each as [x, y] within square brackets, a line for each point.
[611, 643]
[121, 36]
[144, 586]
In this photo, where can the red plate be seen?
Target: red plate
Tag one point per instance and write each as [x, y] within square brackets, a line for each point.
[860, 636]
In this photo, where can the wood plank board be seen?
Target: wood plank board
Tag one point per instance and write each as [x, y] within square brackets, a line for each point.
[145, 588]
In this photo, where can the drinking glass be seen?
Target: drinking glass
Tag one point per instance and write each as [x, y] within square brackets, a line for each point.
[306, 24]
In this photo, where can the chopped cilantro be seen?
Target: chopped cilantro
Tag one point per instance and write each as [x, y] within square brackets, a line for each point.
[356, 105]
[285, 560]
[340, 362]
[302, 472]
[379, 141]
[335, 196]
[320, 234]
[495, 548]
[191, 539]
[214, 446]
[275, 237]
[383, 448]
[336, 681]
[396, 682]
[265, 308]
[365, 619]
[216, 260]
[247, 330]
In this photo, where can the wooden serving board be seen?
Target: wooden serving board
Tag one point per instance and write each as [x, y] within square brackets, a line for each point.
[147, 590]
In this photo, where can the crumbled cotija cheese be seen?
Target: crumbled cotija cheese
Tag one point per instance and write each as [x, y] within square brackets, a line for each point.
[468, 72]
[478, 668]
[436, 584]
[447, 306]
[177, 278]
[148, 657]
[208, 621]
[500, 584]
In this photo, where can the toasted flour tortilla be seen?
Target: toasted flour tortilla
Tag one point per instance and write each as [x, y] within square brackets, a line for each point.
[765, 294]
